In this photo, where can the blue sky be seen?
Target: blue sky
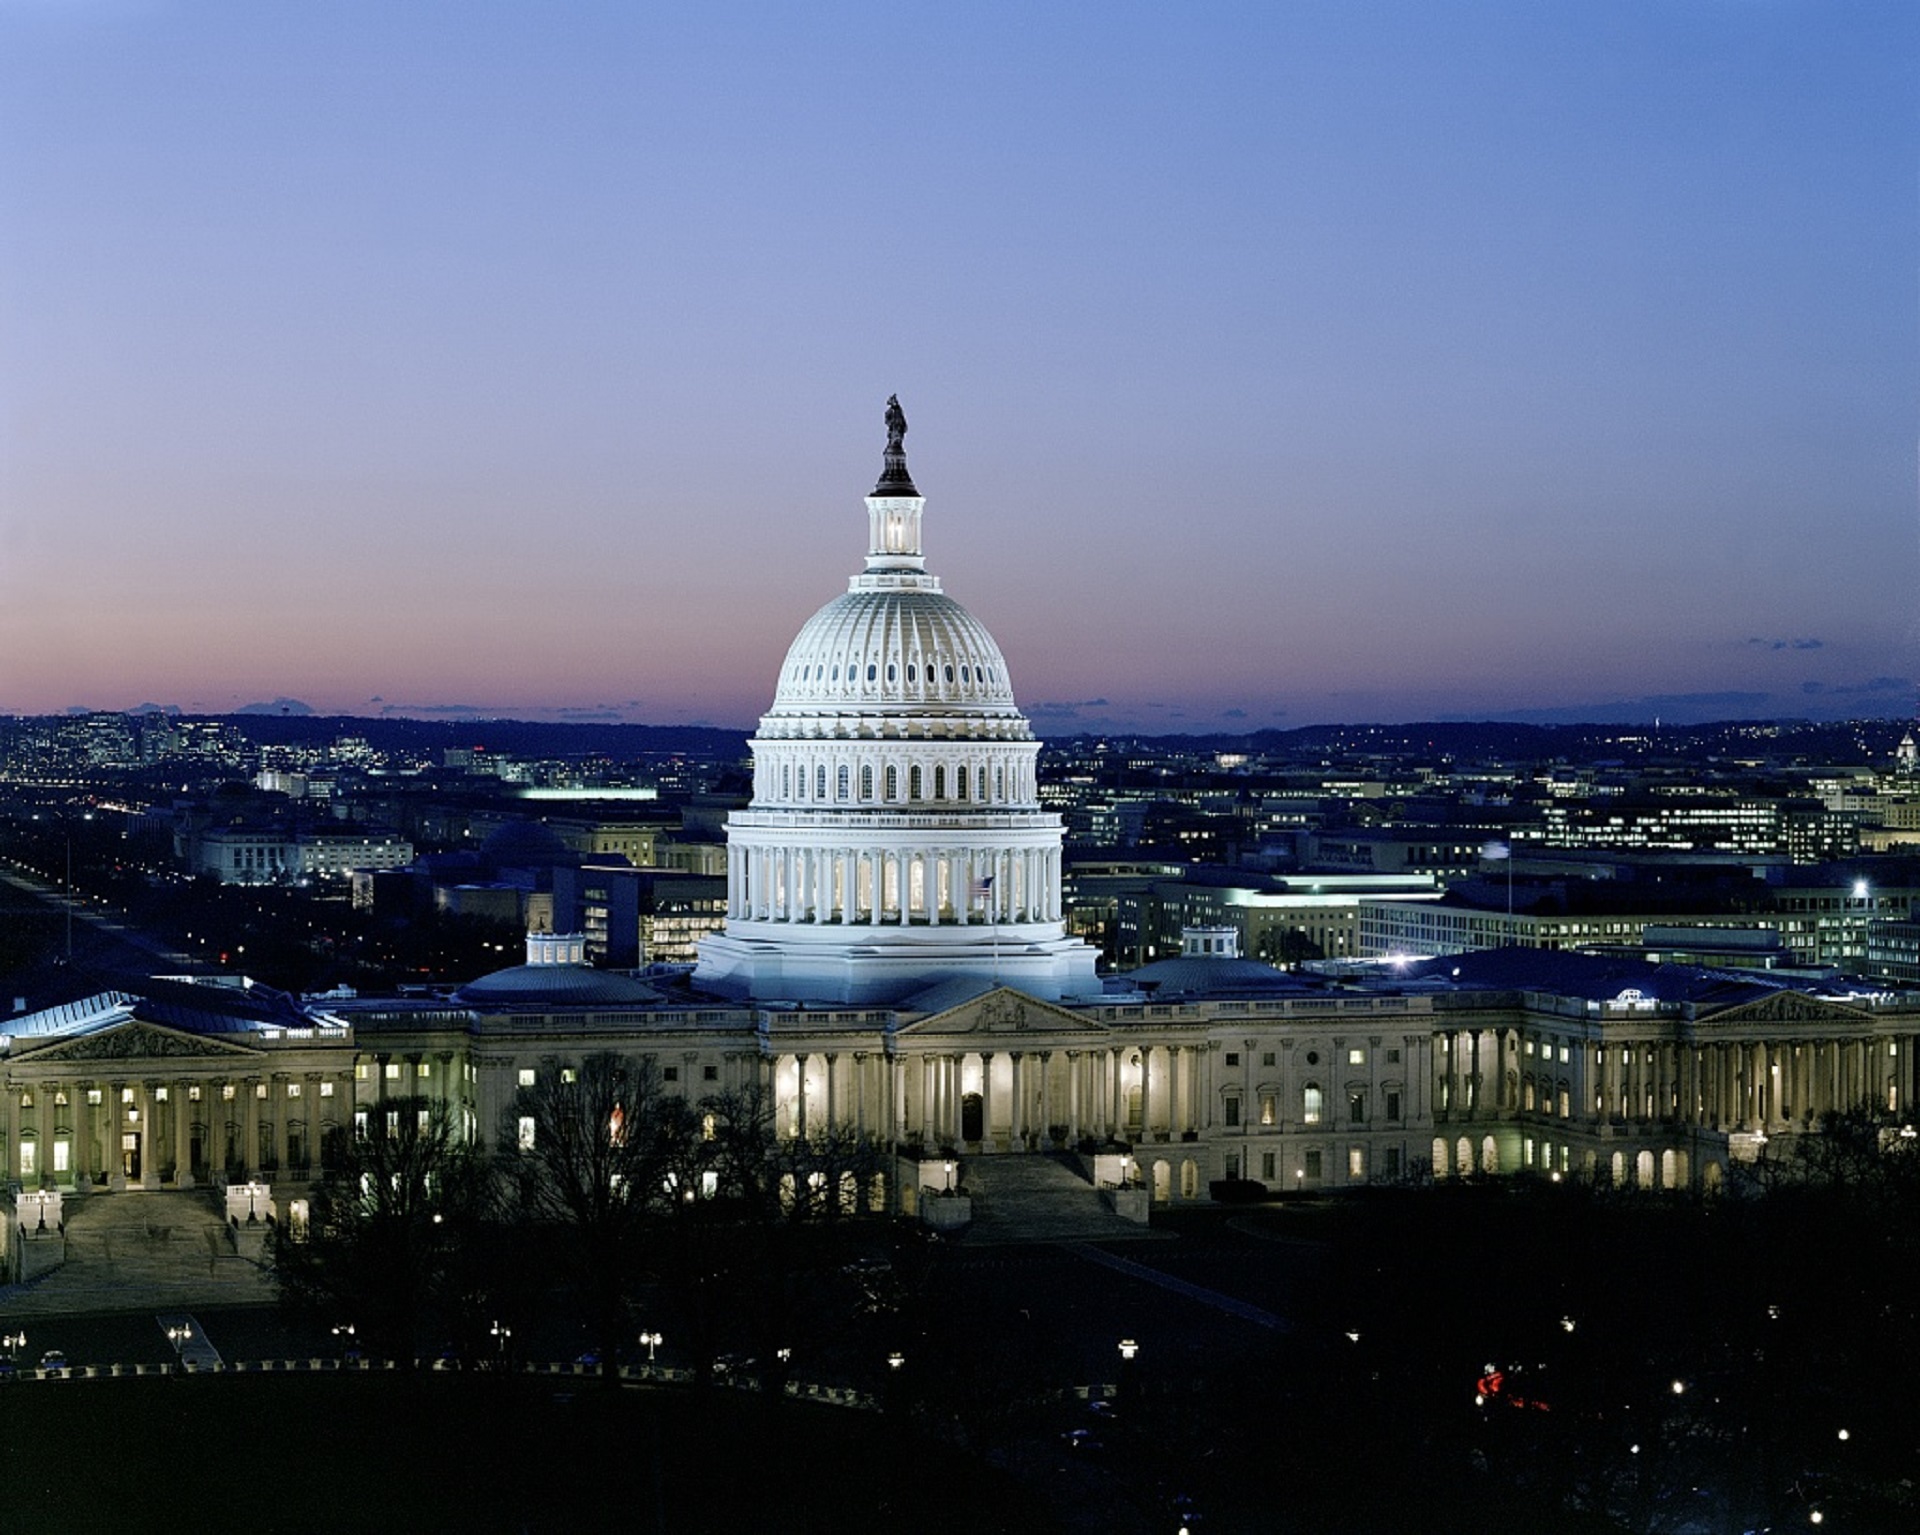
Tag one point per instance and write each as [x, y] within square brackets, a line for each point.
[1267, 364]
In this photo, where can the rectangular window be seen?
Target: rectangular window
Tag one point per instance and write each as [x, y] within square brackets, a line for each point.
[359, 1071]
[1356, 1162]
[1356, 1108]
[1312, 1168]
[226, 1093]
[293, 1089]
[526, 1132]
[326, 1090]
[393, 1071]
[1393, 1162]
[26, 1160]
[1267, 1165]
[1357, 1057]
[59, 1156]
[670, 1074]
[422, 1070]
[709, 1073]
[1393, 1105]
[1310, 1105]
[566, 1074]
[126, 1095]
[1393, 1057]
[526, 1076]
[359, 1121]
[159, 1095]
[1233, 1111]
[1267, 1059]
[259, 1089]
[1233, 1057]
[93, 1096]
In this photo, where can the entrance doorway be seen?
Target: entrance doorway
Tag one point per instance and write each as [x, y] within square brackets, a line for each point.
[130, 1154]
[972, 1121]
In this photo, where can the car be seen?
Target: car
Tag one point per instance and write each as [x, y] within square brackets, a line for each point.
[53, 1361]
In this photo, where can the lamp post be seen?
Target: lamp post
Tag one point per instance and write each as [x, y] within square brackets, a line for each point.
[66, 828]
[1129, 1349]
[651, 1341]
[343, 1339]
[502, 1337]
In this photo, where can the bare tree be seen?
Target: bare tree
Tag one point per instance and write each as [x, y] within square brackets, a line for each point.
[591, 1154]
[390, 1229]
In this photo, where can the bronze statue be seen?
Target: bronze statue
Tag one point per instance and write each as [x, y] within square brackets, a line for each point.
[896, 425]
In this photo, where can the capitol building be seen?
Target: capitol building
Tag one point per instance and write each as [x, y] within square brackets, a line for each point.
[895, 962]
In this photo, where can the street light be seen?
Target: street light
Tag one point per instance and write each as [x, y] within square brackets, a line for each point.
[1128, 1348]
[652, 1340]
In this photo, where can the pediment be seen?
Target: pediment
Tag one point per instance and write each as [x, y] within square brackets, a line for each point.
[134, 1042]
[1005, 1012]
[1789, 1007]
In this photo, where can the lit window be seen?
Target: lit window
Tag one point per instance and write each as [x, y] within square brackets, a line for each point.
[326, 1090]
[293, 1089]
[159, 1095]
[360, 1071]
[393, 1071]
[1310, 1104]
[566, 1074]
[526, 1076]
[259, 1089]
[126, 1095]
[226, 1093]
[26, 1100]
[1356, 1057]
[423, 1070]
[526, 1132]
[1356, 1161]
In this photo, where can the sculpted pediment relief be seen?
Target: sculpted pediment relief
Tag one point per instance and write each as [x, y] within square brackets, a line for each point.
[134, 1042]
[1789, 1007]
[1005, 1012]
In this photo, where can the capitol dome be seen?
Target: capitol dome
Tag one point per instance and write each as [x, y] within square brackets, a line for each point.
[896, 836]
[912, 657]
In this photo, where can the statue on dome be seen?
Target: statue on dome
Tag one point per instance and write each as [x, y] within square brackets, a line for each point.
[896, 425]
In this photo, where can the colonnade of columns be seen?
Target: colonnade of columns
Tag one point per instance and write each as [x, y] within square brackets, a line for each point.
[875, 886]
[1735, 1084]
[149, 1131]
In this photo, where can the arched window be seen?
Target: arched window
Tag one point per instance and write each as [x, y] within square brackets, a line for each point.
[909, 671]
[891, 672]
[844, 776]
[820, 782]
[939, 782]
[999, 783]
[913, 781]
[786, 780]
[872, 671]
[866, 783]
[893, 782]
[949, 674]
[960, 782]
[1310, 1104]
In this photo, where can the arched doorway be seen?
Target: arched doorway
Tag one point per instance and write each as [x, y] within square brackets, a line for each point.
[972, 1120]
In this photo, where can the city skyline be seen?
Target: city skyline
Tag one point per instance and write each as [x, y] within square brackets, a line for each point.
[1266, 366]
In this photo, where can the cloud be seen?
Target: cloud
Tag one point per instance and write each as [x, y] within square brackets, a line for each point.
[464, 711]
[1787, 644]
[1234, 714]
[1064, 709]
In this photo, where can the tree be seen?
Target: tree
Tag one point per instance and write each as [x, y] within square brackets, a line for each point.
[395, 1230]
[592, 1156]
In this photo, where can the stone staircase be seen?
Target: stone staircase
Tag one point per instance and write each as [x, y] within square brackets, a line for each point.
[141, 1251]
[1035, 1197]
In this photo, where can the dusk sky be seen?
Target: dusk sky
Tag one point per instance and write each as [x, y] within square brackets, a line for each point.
[1267, 364]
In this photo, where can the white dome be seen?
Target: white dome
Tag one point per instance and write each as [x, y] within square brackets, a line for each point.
[913, 655]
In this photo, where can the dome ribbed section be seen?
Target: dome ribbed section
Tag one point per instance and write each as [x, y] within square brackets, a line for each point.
[910, 656]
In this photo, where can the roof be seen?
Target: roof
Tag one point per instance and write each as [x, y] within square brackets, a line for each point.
[571, 986]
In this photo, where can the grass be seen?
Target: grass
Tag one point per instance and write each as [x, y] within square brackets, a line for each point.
[273, 1455]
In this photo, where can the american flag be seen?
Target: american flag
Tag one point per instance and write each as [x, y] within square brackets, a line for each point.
[980, 889]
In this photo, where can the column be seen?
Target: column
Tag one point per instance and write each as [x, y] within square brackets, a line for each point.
[1017, 1113]
[1146, 1092]
[833, 1091]
[800, 1096]
[986, 1100]
[861, 1074]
